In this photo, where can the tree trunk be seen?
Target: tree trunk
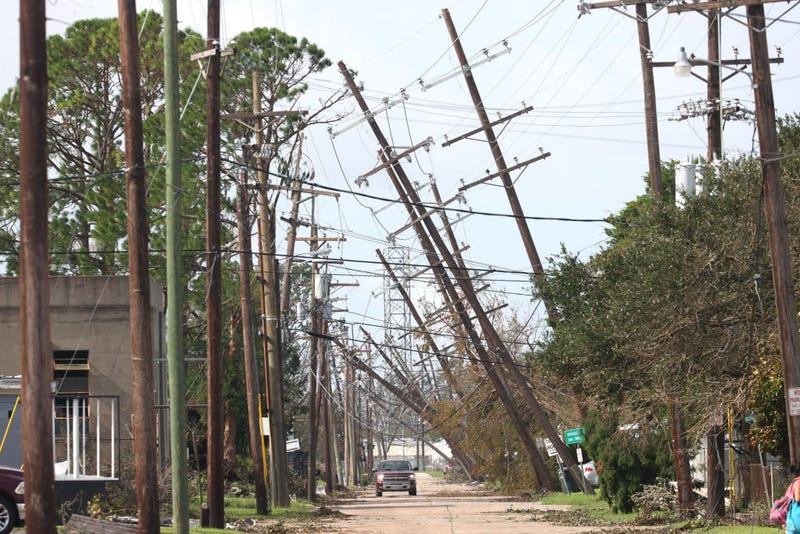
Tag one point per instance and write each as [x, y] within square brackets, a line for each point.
[229, 442]
[715, 472]
[681, 456]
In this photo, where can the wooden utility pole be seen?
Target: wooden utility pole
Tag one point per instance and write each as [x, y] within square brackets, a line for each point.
[34, 264]
[346, 412]
[215, 490]
[268, 265]
[175, 362]
[313, 373]
[714, 87]
[494, 371]
[650, 111]
[144, 415]
[497, 153]
[292, 233]
[715, 440]
[323, 399]
[352, 458]
[429, 235]
[775, 201]
[248, 341]
[370, 432]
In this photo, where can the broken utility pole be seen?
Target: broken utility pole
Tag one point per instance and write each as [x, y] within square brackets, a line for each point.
[142, 362]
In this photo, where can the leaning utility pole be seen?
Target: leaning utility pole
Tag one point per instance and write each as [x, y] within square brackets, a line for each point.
[268, 265]
[144, 415]
[215, 489]
[497, 154]
[430, 236]
[250, 367]
[775, 201]
[177, 380]
[34, 282]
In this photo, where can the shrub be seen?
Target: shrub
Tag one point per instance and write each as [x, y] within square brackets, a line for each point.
[626, 460]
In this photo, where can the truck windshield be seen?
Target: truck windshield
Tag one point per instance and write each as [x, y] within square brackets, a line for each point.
[395, 466]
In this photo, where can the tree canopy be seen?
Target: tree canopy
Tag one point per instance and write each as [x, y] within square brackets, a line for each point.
[679, 301]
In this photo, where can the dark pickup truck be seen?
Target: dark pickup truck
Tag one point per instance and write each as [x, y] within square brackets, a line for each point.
[395, 475]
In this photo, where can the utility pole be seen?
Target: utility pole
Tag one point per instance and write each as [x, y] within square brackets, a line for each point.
[144, 415]
[177, 380]
[650, 111]
[497, 154]
[215, 489]
[430, 236]
[715, 438]
[250, 367]
[313, 373]
[270, 324]
[775, 201]
[346, 409]
[292, 234]
[324, 399]
[34, 281]
[370, 432]
[714, 86]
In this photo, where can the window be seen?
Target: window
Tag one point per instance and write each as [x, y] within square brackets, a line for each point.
[71, 376]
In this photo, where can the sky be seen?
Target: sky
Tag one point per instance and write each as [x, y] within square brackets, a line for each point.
[581, 75]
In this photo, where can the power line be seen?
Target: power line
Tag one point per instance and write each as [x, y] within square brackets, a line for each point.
[424, 205]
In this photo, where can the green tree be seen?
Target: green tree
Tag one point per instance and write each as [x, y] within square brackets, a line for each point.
[85, 134]
[675, 305]
[626, 457]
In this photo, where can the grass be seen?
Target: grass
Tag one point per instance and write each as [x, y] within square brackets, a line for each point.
[237, 508]
[596, 508]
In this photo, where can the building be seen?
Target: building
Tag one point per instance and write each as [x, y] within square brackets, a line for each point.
[92, 372]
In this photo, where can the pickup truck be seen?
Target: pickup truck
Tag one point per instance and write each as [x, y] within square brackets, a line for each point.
[395, 475]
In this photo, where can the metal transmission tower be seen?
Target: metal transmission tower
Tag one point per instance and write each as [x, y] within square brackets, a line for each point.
[396, 315]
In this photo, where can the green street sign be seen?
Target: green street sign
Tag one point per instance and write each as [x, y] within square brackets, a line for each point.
[574, 435]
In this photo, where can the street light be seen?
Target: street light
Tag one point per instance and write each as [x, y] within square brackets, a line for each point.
[683, 67]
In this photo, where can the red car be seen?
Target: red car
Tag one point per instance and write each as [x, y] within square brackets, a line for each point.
[395, 475]
[12, 502]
